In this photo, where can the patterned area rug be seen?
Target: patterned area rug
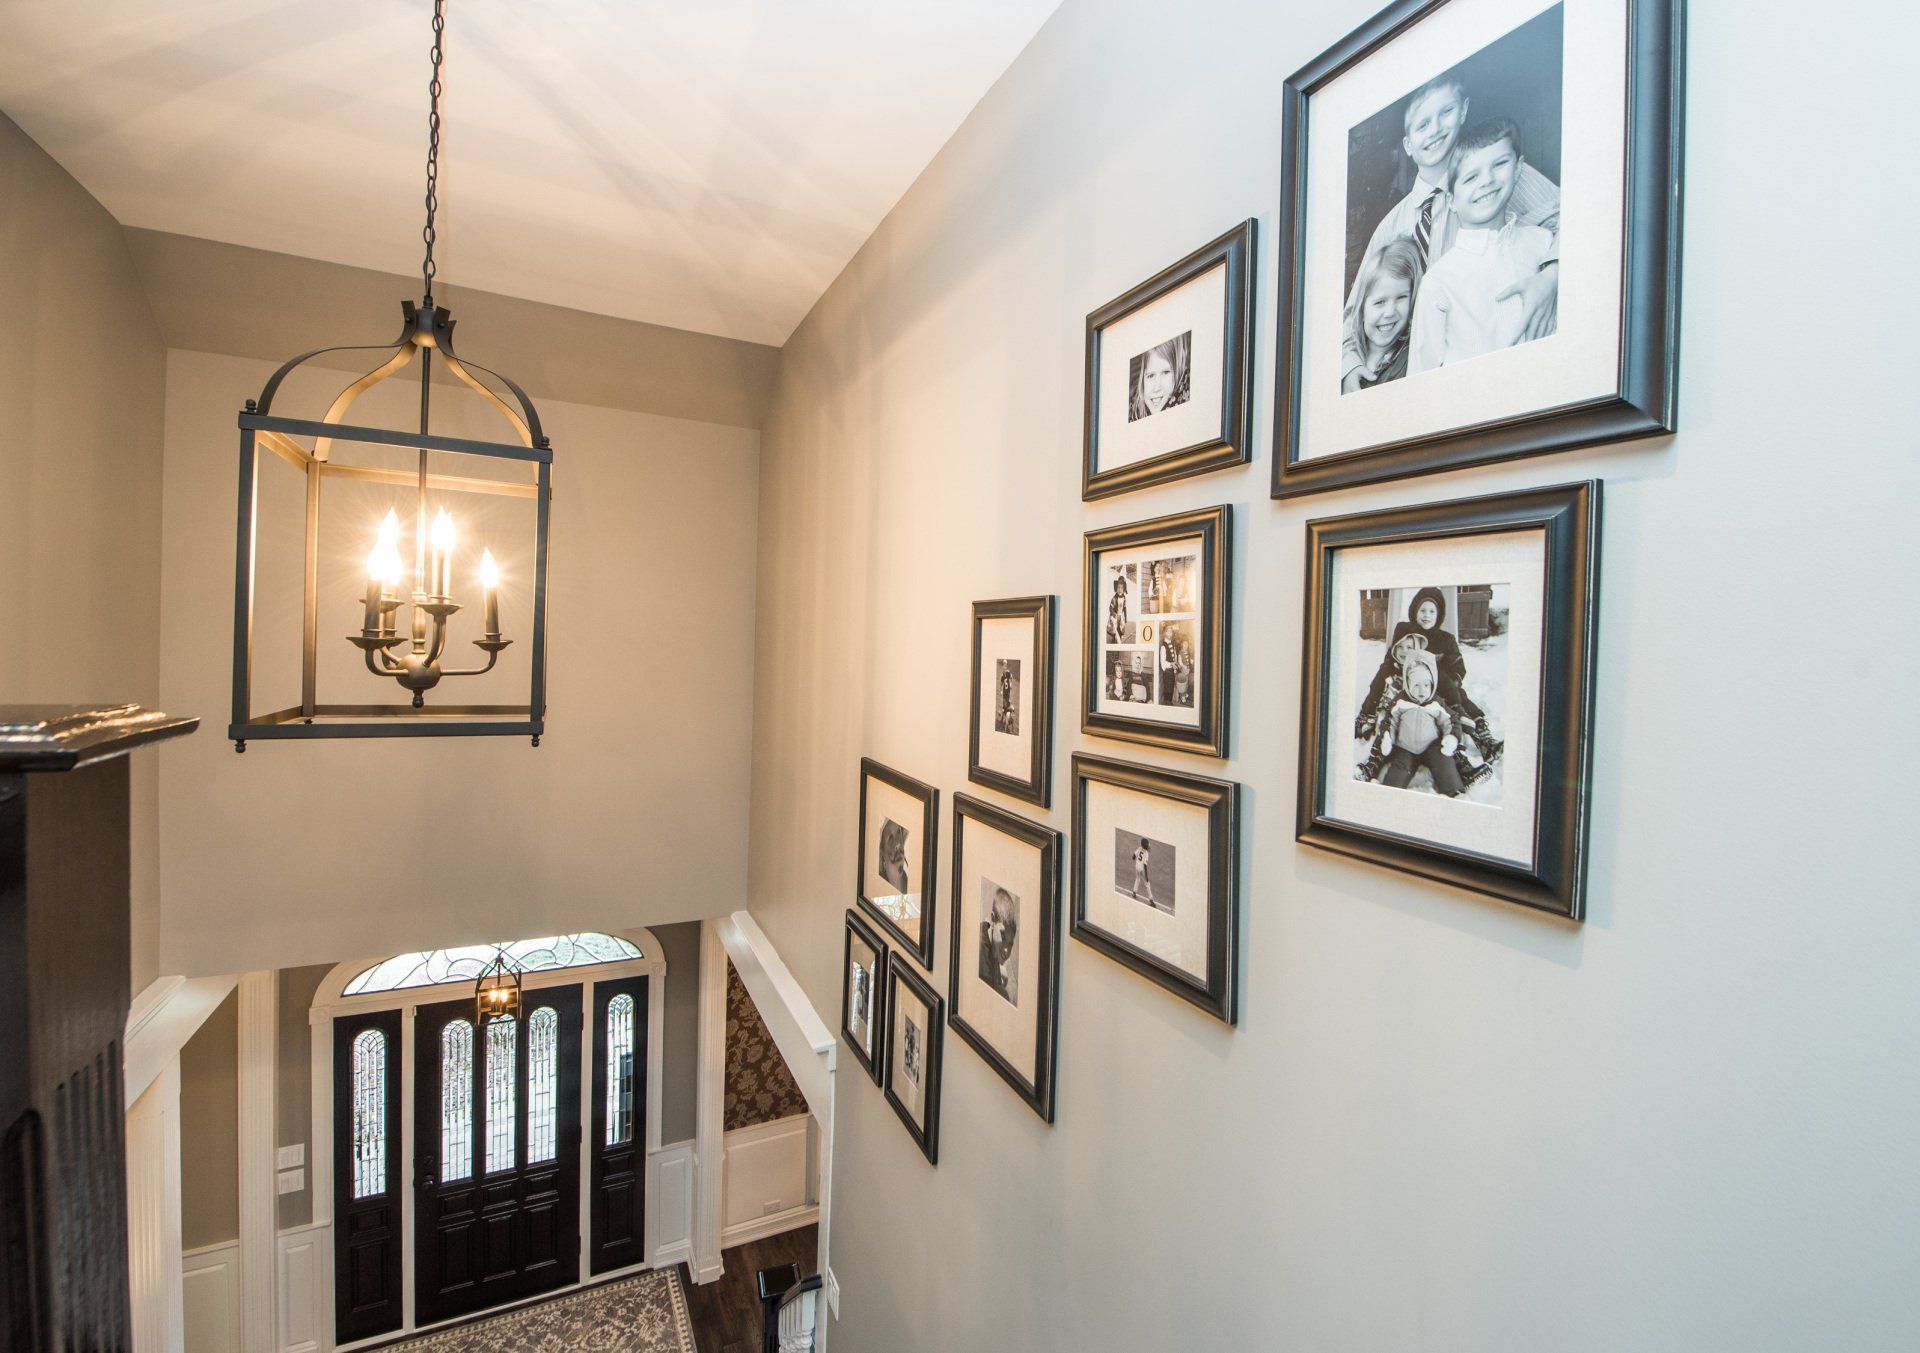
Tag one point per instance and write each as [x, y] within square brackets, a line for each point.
[642, 1314]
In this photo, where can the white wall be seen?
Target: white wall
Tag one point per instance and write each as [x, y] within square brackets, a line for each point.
[1443, 1123]
[630, 812]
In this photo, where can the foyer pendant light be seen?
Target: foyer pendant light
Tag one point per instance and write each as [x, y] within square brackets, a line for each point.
[496, 992]
[363, 482]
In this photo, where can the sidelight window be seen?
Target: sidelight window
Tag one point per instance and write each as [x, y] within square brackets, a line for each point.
[369, 1114]
[456, 1101]
[502, 1037]
[543, 1085]
[620, 1070]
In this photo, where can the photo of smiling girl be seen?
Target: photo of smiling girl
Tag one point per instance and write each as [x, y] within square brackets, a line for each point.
[1382, 315]
[1160, 378]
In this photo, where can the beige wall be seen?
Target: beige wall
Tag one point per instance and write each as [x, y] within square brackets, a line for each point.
[210, 1130]
[82, 372]
[1442, 1123]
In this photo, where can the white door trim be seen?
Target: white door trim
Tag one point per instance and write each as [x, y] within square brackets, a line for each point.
[259, 1012]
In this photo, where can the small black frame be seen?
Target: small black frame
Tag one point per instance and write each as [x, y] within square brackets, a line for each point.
[1570, 516]
[928, 1140]
[877, 1015]
[1037, 788]
[1214, 526]
[1645, 402]
[920, 949]
[1038, 1094]
[1233, 445]
[1219, 995]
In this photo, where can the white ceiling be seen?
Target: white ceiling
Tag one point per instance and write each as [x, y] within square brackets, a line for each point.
[705, 164]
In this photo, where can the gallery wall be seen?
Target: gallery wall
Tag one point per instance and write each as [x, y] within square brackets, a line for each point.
[82, 369]
[1442, 1122]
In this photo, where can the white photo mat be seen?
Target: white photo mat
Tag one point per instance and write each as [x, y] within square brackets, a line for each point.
[1178, 940]
[911, 1091]
[1142, 556]
[987, 854]
[903, 908]
[1200, 307]
[1007, 638]
[863, 956]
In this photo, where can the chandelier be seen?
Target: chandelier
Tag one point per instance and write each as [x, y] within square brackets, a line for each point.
[371, 465]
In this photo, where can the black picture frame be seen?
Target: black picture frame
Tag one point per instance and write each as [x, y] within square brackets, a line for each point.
[1233, 445]
[1569, 514]
[1038, 1094]
[927, 1138]
[921, 948]
[857, 927]
[1037, 787]
[1219, 994]
[1214, 527]
[1645, 402]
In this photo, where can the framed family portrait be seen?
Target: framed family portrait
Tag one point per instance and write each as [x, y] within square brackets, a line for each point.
[863, 1012]
[1154, 661]
[1156, 876]
[1004, 974]
[1168, 371]
[915, 1016]
[1446, 722]
[897, 826]
[1479, 238]
[1010, 745]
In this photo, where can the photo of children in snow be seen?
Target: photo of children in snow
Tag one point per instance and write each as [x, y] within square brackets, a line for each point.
[1150, 638]
[1143, 869]
[1453, 213]
[1432, 712]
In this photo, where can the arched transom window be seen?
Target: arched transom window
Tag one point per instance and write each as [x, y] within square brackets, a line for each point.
[464, 964]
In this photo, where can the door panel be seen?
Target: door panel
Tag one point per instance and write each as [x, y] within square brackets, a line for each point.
[366, 1175]
[617, 1142]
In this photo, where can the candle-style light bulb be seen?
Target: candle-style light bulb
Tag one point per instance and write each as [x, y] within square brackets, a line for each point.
[490, 592]
[440, 537]
[390, 531]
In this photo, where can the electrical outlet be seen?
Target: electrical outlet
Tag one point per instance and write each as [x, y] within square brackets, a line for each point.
[291, 1157]
[292, 1181]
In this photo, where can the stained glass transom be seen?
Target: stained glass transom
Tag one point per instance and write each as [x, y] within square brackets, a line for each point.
[464, 964]
[369, 1114]
[456, 1101]
[543, 1085]
[502, 1035]
[620, 1070]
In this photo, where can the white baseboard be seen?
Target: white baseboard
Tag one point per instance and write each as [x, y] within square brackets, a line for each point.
[777, 1223]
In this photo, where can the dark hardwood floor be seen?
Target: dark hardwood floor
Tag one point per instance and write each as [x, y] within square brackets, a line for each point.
[726, 1312]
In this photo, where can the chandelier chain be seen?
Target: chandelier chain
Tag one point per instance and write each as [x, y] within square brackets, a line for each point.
[428, 233]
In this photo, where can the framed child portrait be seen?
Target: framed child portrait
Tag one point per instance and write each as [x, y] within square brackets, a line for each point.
[1446, 721]
[1479, 238]
[1154, 658]
[911, 1084]
[1010, 738]
[1156, 876]
[1168, 370]
[897, 848]
[863, 999]
[1003, 979]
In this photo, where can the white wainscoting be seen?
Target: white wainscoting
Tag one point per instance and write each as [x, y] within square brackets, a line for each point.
[210, 1297]
[303, 1252]
[768, 1180]
[670, 1185]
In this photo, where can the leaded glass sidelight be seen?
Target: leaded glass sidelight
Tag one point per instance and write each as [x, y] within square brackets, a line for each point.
[620, 1070]
[369, 1114]
[543, 1085]
[456, 1101]
[502, 1039]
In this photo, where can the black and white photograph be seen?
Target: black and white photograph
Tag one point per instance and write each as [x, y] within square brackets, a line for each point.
[911, 1083]
[1003, 976]
[1010, 731]
[862, 1000]
[1159, 379]
[1446, 722]
[1143, 869]
[1433, 705]
[1156, 673]
[1468, 246]
[896, 856]
[1168, 371]
[1156, 876]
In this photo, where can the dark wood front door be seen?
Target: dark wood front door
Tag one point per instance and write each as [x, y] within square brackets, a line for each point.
[366, 1175]
[497, 1154]
[618, 1141]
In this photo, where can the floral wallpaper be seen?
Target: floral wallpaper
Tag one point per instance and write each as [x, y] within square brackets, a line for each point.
[760, 1089]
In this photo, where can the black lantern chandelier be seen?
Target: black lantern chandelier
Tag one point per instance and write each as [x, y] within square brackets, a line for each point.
[496, 992]
[410, 653]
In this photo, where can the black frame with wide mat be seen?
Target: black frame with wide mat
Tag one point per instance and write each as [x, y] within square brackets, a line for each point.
[922, 948]
[928, 1138]
[877, 1012]
[1037, 788]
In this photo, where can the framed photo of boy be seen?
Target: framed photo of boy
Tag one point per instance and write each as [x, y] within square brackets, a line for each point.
[1003, 978]
[863, 997]
[1154, 657]
[1479, 238]
[897, 847]
[1168, 370]
[1447, 707]
[1010, 738]
[911, 1084]
[1156, 876]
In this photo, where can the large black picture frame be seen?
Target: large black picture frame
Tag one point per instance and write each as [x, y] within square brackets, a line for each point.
[877, 1014]
[927, 1138]
[1233, 445]
[920, 949]
[1037, 788]
[1569, 514]
[1645, 402]
[1037, 1094]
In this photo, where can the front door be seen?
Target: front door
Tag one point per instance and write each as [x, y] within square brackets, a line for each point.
[497, 1154]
